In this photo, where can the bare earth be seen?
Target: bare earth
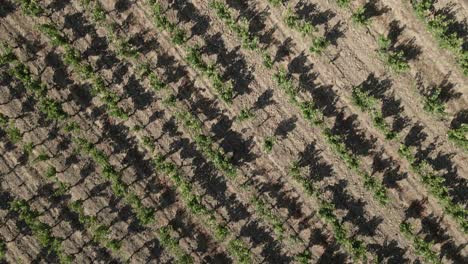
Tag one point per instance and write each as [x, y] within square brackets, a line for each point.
[328, 79]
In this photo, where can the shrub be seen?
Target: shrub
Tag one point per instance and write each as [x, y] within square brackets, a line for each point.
[343, 3]
[240, 251]
[3, 249]
[394, 59]
[54, 34]
[52, 109]
[268, 143]
[363, 99]
[294, 22]
[319, 44]
[433, 102]
[422, 247]
[360, 16]
[245, 114]
[31, 7]
[459, 136]
[275, 2]
[267, 60]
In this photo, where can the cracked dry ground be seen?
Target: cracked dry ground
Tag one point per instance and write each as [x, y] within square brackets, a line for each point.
[265, 212]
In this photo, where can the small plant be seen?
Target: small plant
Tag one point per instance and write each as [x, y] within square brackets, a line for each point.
[51, 172]
[343, 3]
[422, 247]
[240, 251]
[245, 114]
[360, 16]
[52, 109]
[459, 136]
[319, 44]
[294, 22]
[54, 34]
[31, 7]
[3, 249]
[275, 2]
[179, 36]
[268, 143]
[394, 59]
[27, 149]
[267, 60]
[433, 102]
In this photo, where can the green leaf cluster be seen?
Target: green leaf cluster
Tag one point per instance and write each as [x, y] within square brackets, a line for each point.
[238, 26]
[40, 230]
[172, 244]
[396, 60]
[436, 186]
[440, 26]
[422, 247]
[459, 136]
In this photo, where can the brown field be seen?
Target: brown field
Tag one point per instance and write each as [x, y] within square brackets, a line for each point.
[253, 178]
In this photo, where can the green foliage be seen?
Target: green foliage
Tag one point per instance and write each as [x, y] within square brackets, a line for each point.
[363, 99]
[354, 246]
[367, 103]
[267, 213]
[224, 89]
[245, 114]
[71, 126]
[3, 249]
[307, 184]
[99, 14]
[380, 193]
[304, 257]
[51, 172]
[7, 55]
[52, 109]
[40, 230]
[27, 149]
[319, 44]
[240, 251]
[144, 214]
[31, 7]
[126, 49]
[99, 232]
[179, 36]
[275, 2]
[440, 26]
[311, 113]
[396, 60]
[422, 247]
[379, 123]
[436, 186]
[294, 22]
[343, 3]
[360, 16]
[54, 34]
[114, 245]
[423, 7]
[164, 235]
[267, 60]
[459, 136]
[339, 147]
[205, 143]
[156, 83]
[22, 73]
[268, 143]
[239, 26]
[12, 132]
[285, 83]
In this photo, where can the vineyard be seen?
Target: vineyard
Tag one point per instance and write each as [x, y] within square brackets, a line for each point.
[232, 131]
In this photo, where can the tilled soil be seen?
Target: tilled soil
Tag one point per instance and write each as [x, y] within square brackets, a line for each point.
[328, 79]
